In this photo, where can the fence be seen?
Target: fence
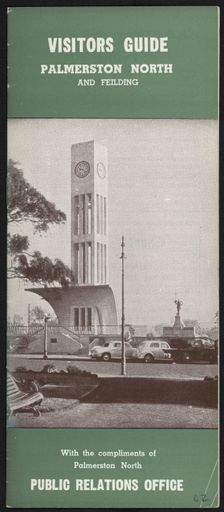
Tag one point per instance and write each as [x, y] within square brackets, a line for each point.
[62, 339]
[24, 330]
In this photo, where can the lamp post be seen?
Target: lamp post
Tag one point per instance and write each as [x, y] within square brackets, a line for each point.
[46, 318]
[123, 359]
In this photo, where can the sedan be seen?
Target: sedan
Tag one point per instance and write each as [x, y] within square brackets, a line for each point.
[112, 350]
[153, 350]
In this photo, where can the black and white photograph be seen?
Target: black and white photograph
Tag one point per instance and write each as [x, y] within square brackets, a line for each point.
[112, 273]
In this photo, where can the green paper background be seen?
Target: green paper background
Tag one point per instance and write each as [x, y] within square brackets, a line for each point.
[190, 455]
[190, 92]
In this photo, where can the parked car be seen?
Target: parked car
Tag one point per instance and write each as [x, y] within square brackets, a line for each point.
[112, 350]
[197, 351]
[153, 350]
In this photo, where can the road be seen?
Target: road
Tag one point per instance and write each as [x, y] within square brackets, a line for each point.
[166, 370]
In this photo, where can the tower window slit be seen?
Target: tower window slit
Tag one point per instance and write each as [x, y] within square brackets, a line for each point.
[76, 215]
[83, 263]
[89, 318]
[97, 213]
[98, 262]
[89, 214]
[83, 214]
[76, 263]
[83, 318]
[76, 318]
[89, 279]
[101, 215]
[105, 216]
[101, 263]
[105, 263]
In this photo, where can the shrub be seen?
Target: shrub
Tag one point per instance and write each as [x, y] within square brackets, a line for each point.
[21, 369]
[49, 368]
[74, 370]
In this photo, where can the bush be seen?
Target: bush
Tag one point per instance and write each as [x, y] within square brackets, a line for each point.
[49, 368]
[21, 369]
[73, 370]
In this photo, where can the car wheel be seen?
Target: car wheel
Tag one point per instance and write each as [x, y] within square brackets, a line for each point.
[106, 357]
[148, 358]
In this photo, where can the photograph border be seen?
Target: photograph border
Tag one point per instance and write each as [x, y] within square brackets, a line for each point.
[85, 4]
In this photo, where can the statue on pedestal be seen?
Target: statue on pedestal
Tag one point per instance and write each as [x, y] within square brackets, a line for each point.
[178, 303]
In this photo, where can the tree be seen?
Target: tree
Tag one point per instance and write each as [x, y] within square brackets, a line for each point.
[17, 319]
[216, 320]
[37, 314]
[26, 204]
[213, 332]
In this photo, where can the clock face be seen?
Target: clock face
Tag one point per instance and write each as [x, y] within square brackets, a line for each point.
[82, 169]
[101, 169]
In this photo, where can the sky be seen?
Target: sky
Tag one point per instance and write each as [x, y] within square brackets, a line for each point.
[163, 197]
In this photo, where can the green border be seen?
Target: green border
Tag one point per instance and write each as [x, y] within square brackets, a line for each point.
[190, 455]
[191, 91]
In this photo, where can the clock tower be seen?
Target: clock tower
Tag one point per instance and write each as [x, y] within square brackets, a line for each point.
[89, 219]
[87, 306]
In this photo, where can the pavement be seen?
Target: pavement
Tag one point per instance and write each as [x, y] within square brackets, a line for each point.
[51, 357]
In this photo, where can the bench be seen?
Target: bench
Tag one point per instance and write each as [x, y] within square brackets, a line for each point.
[18, 401]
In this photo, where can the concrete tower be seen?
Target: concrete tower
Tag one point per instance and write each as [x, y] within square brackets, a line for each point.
[89, 224]
[88, 306]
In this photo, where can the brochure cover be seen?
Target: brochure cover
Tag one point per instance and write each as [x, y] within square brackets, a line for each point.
[113, 352]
